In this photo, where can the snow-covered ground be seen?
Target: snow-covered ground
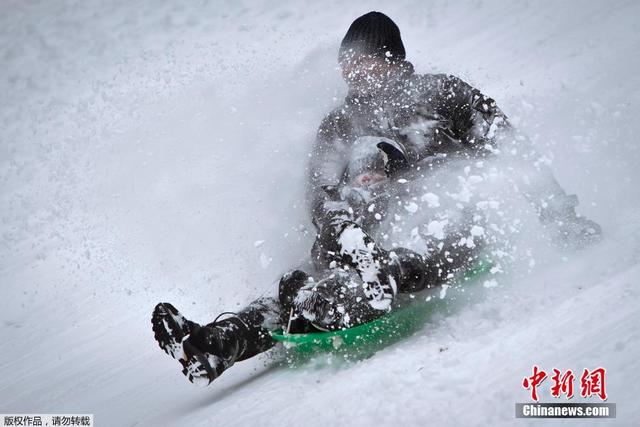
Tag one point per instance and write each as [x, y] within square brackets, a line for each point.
[145, 147]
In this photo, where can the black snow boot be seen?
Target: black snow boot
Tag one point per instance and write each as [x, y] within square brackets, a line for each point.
[170, 328]
[208, 352]
[212, 349]
[410, 270]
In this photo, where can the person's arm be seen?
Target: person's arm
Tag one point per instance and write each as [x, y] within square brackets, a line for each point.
[475, 118]
[327, 167]
[555, 208]
[478, 123]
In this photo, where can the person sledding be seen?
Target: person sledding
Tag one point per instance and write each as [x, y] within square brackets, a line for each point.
[392, 120]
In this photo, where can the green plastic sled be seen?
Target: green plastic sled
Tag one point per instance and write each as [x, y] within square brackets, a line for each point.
[402, 321]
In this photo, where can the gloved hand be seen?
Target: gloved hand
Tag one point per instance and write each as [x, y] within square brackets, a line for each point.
[569, 230]
[337, 302]
[342, 203]
[324, 304]
[576, 232]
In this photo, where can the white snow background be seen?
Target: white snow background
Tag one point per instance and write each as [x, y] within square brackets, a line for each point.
[155, 151]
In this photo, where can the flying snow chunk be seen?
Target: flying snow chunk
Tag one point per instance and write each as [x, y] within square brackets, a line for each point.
[258, 243]
[443, 291]
[264, 260]
[476, 230]
[492, 283]
[467, 241]
[436, 229]
[475, 179]
[433, 201]
[411, 207]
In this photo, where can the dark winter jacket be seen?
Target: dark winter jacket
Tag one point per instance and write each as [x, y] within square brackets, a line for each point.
[428, 115]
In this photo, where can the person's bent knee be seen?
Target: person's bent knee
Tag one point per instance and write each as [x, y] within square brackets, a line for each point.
[289, 286]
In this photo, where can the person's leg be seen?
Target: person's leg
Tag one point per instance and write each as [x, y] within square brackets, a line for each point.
[338, 301]
[249, 329]
[342, 244]
[211, 349]
[205, 352]
[415, 272]
[343, 299]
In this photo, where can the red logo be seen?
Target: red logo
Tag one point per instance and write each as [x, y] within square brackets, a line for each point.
[534, 381]
[562, 384]
[592, 383]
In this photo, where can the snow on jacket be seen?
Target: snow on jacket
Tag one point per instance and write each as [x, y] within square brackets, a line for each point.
[429, 115]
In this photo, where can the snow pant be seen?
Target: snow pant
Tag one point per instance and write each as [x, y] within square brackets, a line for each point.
[248, 330]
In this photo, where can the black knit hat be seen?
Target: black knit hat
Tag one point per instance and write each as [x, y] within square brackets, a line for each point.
[372, 34]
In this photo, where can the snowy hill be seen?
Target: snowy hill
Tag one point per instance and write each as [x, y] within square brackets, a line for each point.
[145, 147]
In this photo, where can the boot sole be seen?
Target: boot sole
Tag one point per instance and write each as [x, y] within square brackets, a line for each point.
[197, 366]
[169, 329]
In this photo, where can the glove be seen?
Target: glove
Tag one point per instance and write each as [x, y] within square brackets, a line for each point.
[343, 203]
[577, 232]
[395, 157]
[569, 230]
[324, 304]
[339, 301]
